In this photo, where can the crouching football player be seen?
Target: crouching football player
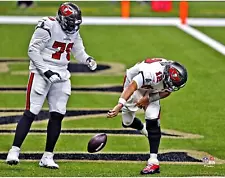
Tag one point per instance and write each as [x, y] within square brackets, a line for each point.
[49, 51]
[144, 85]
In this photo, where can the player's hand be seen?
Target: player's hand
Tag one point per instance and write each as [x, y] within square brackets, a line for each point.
[91, 63]
[52, 76]
[114, 112]
[143, 102]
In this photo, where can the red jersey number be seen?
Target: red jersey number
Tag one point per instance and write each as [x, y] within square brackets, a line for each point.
[62, 47]
[158, 76]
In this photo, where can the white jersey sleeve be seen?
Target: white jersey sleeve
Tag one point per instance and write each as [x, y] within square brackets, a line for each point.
[139, 80]
[144, 79]
[38, 42]
[78, 50]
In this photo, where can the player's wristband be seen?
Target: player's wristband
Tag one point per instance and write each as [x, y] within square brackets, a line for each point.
[122, 101]
[49, 73]
[88, 60]
[154, 97]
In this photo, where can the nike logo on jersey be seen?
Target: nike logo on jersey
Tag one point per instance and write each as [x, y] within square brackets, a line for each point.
[66, 38]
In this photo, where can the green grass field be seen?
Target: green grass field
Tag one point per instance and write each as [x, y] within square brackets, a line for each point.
[196, 109]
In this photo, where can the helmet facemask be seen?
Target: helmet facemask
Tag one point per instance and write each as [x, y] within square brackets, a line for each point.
[69, 18]
[175, 76]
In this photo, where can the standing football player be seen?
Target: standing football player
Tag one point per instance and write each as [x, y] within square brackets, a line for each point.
[49, 50]
[144, 85]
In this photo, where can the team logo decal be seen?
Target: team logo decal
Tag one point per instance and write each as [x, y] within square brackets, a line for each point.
[174, 74]
[66, 10]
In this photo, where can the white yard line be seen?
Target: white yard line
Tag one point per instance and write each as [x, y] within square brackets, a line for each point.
[96, 20]
[160, 21]
[203, 38]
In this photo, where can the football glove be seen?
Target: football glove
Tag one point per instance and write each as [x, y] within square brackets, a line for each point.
[52, 76]
[91, 63]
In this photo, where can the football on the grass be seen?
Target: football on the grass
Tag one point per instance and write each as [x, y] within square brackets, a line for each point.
[97, 142]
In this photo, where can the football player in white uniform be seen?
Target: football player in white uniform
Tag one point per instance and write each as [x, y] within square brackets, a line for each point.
[53, 40]
[144, 85]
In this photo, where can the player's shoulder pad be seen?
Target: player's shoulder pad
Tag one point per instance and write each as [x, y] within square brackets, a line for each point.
[46, 23]
[77, 35]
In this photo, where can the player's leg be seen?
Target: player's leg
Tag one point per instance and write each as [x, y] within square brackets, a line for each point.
[128, 112]
[57, 99]
[130, 121]
[152, 114]
[36, 92]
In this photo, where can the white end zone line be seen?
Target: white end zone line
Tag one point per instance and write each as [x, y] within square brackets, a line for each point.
[96, 20]
[147, 21]
[219, 22]
[203, 38]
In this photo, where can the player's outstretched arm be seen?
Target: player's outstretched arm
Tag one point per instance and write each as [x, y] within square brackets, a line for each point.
[132, 87]
[80, 54]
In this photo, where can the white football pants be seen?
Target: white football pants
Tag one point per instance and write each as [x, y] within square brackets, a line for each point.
[39, 88]
[128, 111]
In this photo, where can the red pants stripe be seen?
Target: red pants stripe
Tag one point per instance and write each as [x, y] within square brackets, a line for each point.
[124, 79]
[29, 86]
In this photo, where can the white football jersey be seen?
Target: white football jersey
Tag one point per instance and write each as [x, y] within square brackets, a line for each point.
[148, 75]
[55, 47]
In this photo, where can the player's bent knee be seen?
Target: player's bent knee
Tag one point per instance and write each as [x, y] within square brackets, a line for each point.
[35, 108]
[153, 128]
[126, 125]
[56, 116]
[127, 120]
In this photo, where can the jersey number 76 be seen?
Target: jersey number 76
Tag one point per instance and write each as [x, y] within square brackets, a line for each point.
[62, 47]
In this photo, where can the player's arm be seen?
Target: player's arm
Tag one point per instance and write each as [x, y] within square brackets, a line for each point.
[158, 96]
[149, 98]
[38, 42]
[135, 84]
[80, 54]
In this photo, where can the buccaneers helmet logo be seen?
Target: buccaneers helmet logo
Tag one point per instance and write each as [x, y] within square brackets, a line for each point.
[66, 10]
[174, 74]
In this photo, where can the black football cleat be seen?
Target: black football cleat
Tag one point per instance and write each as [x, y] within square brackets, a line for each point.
[13, 162]
[151, 169]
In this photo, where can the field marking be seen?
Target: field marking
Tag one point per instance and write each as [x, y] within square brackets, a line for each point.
[167, 157]
[13, 125]
[157, 21]
[115, 68]
[203, 38]
[95, 20]
[182, 135]
[3, 68]
[133, 156]
[72, 92]
[77, 86]
[91, 134]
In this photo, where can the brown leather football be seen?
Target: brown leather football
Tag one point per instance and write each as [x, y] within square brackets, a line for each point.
[97, 142]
